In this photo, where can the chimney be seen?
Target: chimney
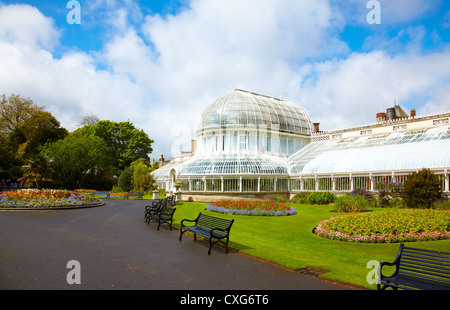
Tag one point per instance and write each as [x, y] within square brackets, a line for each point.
[413, 113]
[316, 126]
[161, 161]
[381, 117]
[193, 146]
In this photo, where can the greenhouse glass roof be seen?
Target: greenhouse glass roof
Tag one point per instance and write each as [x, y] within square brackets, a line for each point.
[426, 148]
[234, 165]
[242, 108]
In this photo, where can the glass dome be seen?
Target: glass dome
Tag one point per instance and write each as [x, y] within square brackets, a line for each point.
[245, 109]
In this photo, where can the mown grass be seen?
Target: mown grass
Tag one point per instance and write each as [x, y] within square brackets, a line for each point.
[289, 242]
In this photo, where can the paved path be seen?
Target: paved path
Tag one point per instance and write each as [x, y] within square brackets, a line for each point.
[116, 249]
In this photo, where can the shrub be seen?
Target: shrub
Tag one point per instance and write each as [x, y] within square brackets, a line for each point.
[443, 204]
[351, 203]
[125, 182]
[320, 198]
[369, 196]
[422, 189]
[389, 194]
[300, 197]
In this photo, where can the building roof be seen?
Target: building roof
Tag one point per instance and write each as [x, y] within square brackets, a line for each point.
[240, 108]
[406, 150]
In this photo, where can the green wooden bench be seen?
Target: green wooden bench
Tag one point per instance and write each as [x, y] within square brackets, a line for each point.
[166, 217]
[209, 227]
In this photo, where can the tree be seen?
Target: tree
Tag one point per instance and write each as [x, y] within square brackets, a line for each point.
[39, 169]
[14, 110]
[40, 128]
[125, 181]
[24, 128]
[81, 162]
[89, 119]
[142, 179]
[125, 142]
[421, 189]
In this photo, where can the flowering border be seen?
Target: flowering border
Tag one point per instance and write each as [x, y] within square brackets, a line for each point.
[252, 208]
[32, 199]
[403, 237]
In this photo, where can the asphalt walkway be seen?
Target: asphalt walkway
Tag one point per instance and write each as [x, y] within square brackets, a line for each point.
[116, 249]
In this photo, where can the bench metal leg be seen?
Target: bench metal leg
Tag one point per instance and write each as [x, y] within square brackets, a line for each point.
[210, 246]
[181, 233]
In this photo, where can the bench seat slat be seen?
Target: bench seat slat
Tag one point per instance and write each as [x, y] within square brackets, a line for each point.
[412, 283]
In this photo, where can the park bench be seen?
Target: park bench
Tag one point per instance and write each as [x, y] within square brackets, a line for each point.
[105, 194]
[118, 195]
[166, 217]
[137, 195]
[209, 227]
[417, 269]
[155, 209]
[171, 200]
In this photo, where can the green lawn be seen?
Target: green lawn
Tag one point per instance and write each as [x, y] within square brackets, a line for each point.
[288, 241]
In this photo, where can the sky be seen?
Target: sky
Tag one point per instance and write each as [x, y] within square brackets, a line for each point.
[158, 64]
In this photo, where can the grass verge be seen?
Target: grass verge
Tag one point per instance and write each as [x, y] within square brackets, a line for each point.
[289, 242]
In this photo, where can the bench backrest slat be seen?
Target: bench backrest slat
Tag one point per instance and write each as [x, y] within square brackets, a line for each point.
[431, 266]
[209, 222]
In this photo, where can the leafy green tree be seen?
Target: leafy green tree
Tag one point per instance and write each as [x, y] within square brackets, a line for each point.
[39, 169]
[125, 181]
[421, 189]
[142, 179]
[79, 161]
[125, 142]
[9, 164]
[40, 128]
[14, 111]
[24, 128]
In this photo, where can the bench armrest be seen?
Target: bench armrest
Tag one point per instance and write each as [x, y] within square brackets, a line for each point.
[217, 228]
[186, 220]
[394, 263]
[211, 232]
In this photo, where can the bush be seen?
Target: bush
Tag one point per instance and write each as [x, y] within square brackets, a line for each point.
[443, 204]
[351, 203]
[300, 197]
[363, 193]
[125, 182]
[422, 189]
[320, 198]
[389, 195]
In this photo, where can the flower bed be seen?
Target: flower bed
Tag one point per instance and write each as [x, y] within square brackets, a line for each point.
[40, 199]
[388, 226]
[247, 207]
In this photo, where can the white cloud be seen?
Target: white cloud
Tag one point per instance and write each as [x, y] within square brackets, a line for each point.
[25, 25]
[350, 91]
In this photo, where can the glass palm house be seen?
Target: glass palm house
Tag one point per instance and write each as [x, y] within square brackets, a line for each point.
[255, 146]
